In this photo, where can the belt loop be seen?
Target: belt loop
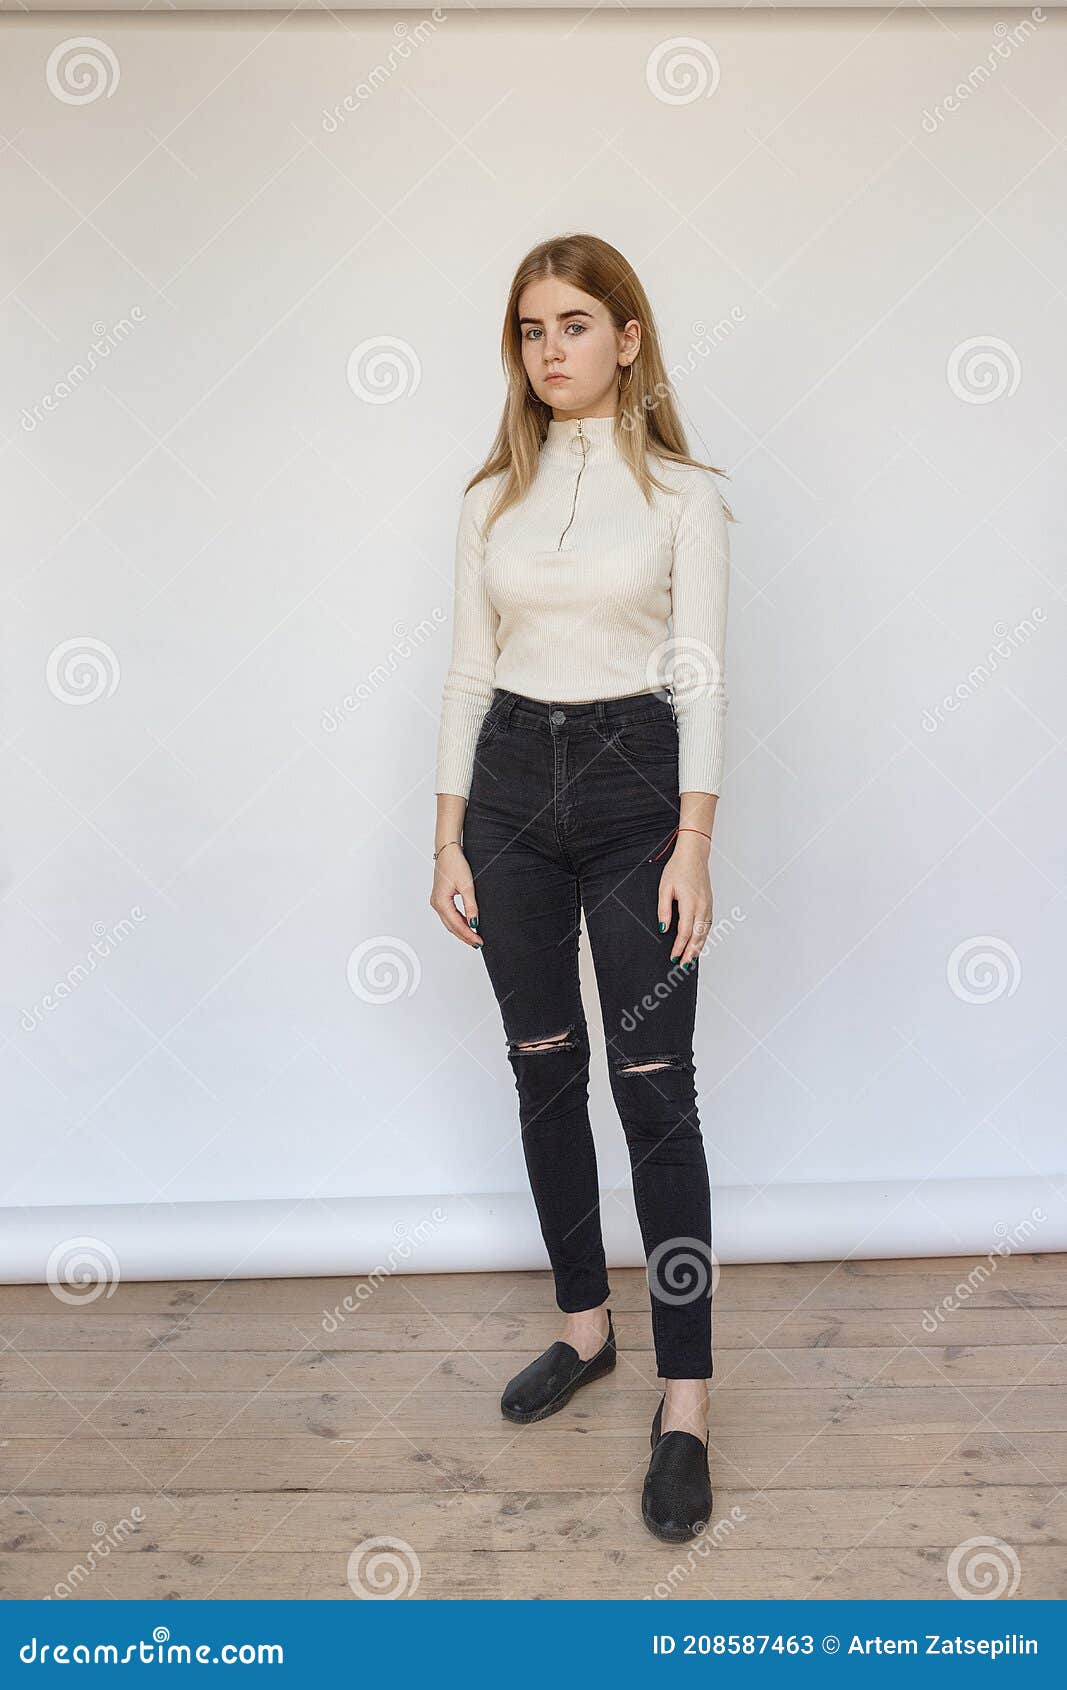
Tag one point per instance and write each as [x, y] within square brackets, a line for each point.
[601, 713]
[510, 701]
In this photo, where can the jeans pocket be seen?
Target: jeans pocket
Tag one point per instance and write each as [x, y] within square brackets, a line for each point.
[491, 725]
[653, 741]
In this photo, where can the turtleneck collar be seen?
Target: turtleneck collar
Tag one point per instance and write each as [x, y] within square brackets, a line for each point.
[595, 438]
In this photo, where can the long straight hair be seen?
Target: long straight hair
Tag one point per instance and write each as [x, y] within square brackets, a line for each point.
[647, 422]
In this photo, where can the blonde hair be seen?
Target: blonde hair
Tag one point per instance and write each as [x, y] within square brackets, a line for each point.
[647, 420]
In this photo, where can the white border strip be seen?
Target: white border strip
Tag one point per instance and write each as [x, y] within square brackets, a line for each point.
[491, 1232]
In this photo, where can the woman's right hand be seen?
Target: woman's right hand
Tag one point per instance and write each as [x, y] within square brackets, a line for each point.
[452, 875]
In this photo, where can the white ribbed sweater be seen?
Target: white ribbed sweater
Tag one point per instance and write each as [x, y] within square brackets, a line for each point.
[584, 591]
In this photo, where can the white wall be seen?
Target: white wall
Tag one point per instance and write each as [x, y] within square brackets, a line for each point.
[251, 543]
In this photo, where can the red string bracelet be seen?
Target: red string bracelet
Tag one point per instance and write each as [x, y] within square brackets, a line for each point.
[670, 836]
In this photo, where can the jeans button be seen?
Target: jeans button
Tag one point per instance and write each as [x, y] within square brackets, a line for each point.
[557, 717]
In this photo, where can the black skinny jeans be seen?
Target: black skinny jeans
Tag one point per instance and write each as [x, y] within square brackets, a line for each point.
[568, 805]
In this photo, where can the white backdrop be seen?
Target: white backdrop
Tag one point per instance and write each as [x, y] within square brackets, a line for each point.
[228, 602]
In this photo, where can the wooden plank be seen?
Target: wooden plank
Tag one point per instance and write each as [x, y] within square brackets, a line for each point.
[661, 1570]
[350, 1412]
[523, 1334]
[1040, 1280]
[527, 1458]
[933, 1517]
[453, 1371]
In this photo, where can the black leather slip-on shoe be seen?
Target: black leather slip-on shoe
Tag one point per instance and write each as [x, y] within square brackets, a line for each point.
[549, 1382]
[676, 1501]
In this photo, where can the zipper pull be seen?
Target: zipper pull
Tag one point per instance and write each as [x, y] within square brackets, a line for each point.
[580, 436]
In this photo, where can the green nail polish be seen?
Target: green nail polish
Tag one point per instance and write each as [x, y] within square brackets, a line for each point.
[473, 921]
[663, 927]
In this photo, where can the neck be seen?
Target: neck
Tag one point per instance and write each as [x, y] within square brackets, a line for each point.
[591, 436]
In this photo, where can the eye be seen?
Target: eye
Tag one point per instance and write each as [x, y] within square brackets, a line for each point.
[579, 326]
[530, 333]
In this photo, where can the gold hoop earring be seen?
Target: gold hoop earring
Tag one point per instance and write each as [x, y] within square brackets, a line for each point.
[630, 383]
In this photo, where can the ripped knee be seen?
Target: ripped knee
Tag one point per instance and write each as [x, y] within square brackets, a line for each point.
[649, 1064]
[558, 1041]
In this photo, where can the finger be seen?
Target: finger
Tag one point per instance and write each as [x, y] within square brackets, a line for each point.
[455, 922]
[701, 929]
[665, 910]
[469, 899]
[685, 929]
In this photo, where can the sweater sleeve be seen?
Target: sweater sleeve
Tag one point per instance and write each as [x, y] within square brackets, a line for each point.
[700, 590]
[468, 687]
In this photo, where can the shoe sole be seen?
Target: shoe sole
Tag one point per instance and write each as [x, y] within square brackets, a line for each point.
[673, 1537]
[559, 1402]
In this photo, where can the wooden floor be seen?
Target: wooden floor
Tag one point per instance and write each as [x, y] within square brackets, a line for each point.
[199, 1440]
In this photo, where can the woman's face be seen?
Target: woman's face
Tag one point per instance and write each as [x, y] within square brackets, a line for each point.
[570, 348]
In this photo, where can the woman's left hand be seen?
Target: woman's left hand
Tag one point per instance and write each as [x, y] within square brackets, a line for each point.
[685, 881]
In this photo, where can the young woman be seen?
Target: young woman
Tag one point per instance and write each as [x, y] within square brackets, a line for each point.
[579, 762]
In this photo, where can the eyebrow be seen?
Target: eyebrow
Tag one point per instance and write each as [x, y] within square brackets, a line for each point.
[577, 312]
